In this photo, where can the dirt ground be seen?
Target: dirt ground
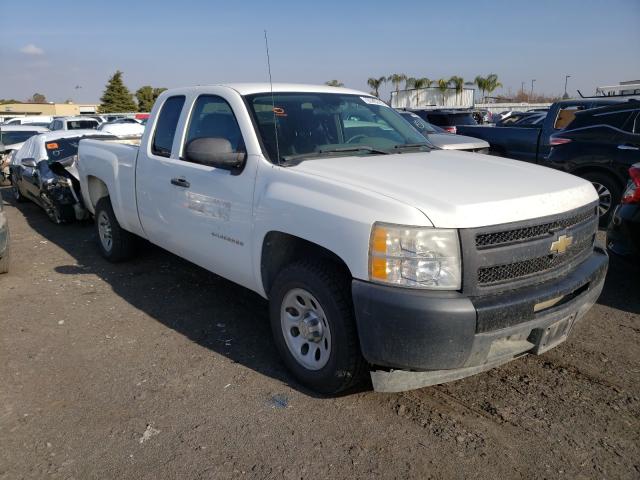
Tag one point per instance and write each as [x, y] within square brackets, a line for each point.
[158, 369]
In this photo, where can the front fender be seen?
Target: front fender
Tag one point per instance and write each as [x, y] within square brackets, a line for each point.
[337, 217]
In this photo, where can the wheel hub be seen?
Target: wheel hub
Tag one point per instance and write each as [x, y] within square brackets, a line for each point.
[311, 327]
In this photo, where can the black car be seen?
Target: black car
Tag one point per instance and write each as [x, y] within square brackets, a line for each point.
[600, 145]
[623, 236]
[448, 120]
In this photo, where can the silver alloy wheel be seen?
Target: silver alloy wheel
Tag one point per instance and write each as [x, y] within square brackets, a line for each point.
[604, 197]
[305, 329]
[104, 231]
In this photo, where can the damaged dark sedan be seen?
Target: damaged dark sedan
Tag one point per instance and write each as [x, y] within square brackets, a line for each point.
[44, 171]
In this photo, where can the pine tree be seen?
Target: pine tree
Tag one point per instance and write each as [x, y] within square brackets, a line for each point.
[144, 95]
[116, 96]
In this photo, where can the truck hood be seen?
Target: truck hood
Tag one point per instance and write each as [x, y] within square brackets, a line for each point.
[460, 189]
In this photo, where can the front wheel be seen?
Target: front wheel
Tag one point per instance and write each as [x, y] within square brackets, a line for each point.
[115, 243]
[314, 328]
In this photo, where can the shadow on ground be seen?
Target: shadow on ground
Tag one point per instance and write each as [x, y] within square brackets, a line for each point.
[206, 308]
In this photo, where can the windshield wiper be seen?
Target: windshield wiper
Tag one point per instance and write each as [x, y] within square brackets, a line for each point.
[321, 152]
[412, 145]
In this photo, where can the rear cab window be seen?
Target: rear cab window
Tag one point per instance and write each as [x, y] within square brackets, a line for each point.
[166, 126]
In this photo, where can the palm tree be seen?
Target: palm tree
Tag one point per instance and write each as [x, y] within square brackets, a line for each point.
[419, 83]
[375, 84]
[396, 79]
[492, 83]
[481, 82]
[334, 83]
[458, 83]
[443, 86]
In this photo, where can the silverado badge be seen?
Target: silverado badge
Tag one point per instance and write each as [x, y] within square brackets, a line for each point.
[561, 245]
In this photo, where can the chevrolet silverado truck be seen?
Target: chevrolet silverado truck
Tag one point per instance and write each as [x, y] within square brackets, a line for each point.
[378, 253]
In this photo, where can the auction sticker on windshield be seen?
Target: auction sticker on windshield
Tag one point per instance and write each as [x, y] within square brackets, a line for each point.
[373, 101]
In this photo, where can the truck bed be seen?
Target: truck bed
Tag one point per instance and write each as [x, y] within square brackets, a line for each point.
[513, 142]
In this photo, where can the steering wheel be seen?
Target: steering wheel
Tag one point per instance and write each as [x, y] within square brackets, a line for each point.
[356, 137]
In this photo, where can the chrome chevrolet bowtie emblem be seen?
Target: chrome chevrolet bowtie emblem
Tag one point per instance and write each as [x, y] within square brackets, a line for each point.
[561, 245]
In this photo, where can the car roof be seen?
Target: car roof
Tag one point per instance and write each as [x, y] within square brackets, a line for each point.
[59, 134]
[22, 128]
[616, 107]
[252, 88]
[74, 118]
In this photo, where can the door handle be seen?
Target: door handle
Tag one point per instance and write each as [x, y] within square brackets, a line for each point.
[180, 182]
[627, 147]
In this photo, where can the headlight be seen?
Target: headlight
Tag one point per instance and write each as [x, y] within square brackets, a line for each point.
[417, 257]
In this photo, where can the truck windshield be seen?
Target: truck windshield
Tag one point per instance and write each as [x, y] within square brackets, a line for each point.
[314, 125]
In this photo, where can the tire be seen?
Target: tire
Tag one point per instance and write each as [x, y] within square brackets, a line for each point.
[339, 365]
[609, 193]
[115, 243]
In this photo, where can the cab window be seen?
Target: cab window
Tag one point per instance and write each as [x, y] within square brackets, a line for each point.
[166, 126]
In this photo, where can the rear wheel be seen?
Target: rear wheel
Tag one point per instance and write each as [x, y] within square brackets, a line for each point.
[609, 193]
[314, 328]
[115, 243]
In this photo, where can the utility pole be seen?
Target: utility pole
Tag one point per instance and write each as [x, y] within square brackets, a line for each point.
[566, 79]
[531, 95]
[522, 89]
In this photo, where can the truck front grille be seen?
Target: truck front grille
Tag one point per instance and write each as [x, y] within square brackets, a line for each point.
[519, 270]
[509, 256]
[505, 237]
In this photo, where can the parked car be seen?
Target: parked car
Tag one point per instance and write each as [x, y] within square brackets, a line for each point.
[123, 128]
[11, 139]
[448, 120]
[74, 123]
[600, 145]
[441, 139]
[623, 235]
[532, 144]
[4, 240]
[44, 171]
[29, 120]
[376, 252]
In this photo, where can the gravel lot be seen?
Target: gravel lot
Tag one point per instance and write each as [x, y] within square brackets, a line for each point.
[159, 369]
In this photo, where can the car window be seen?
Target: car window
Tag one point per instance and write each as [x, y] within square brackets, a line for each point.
[566, 115]
[166, 126]
[325, 124]
[212, 117]
[9, 138]
[81, 124]
[615, 119]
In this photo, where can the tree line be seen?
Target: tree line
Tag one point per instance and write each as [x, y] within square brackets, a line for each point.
[486, 85]
[118, 98]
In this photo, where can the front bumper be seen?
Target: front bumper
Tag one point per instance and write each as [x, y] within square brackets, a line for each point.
[446, 335]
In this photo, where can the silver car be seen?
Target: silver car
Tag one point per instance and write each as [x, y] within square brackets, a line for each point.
[442, 139]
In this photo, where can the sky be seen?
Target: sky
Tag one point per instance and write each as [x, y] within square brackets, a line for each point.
[68, 49]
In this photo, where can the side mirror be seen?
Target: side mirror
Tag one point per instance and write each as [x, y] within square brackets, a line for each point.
[29, 162]
[215, 152]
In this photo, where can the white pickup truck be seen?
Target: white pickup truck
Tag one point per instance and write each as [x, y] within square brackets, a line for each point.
[378, 252]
